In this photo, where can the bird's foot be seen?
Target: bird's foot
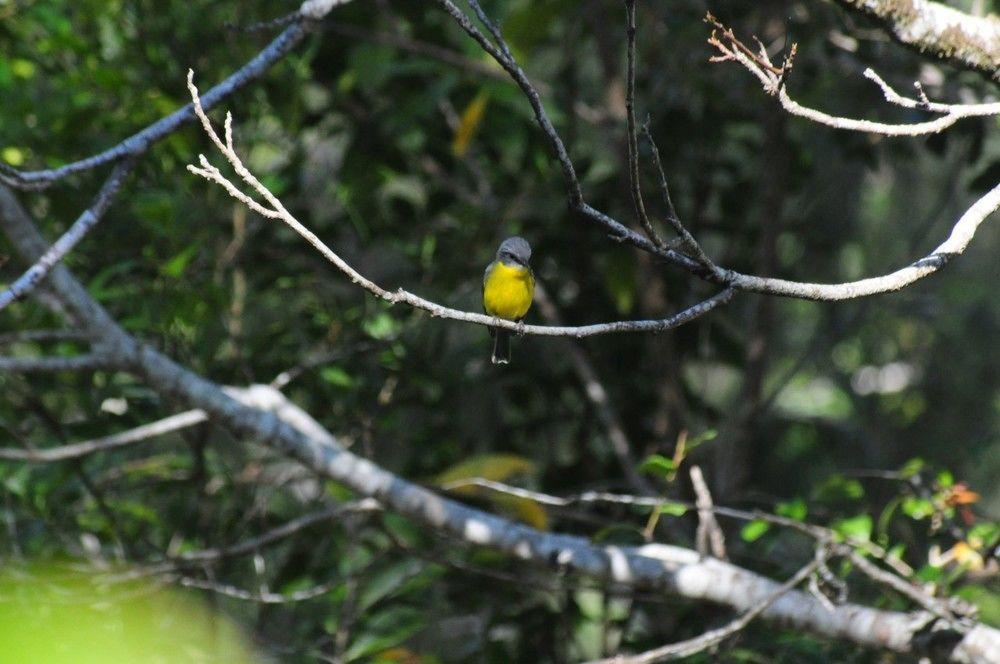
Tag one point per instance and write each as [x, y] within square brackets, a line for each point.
[520, 328]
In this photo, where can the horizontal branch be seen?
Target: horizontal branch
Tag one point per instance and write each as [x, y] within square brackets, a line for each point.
[78, 450]
[961, 235]
[88, 362]
[281, 532]
[31, 336]
[86, 221]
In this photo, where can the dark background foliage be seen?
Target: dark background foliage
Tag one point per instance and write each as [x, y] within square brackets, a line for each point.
[414, 169]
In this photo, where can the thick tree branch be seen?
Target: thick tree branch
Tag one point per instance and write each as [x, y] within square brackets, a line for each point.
[942, 31]
[658, 567]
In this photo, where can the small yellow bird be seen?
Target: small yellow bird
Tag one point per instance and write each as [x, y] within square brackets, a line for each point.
[508, 287]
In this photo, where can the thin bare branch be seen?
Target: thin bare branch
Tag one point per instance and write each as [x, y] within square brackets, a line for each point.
[688, 241]
[30, 336]
[365, 505]
[88, 362]
[772, 78]
[78, 450]
[276, 210]
[632, 135]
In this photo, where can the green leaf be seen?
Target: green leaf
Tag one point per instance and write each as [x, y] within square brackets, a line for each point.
[385, 630]
[912, 467]
[704, 437]
[386, 582]
[793, 509]
[856, 528]
[917, 508]
[336, 376]
[754, 530]
[672, 508]
[986, 600]
[657, 464]
[174, 267]
[838, 488]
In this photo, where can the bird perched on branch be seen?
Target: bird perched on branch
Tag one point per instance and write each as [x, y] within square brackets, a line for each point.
[508, 287]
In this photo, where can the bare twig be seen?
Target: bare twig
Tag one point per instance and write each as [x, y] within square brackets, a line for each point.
[365, 505]
[262, 596]
[689, 243]
[632, 137]
[28, 336]
[88, 362]
[772, 78]
[77, 450]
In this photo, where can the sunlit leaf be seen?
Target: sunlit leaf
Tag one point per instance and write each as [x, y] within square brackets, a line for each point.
[468, 124]
[496, 467]
[754, 530]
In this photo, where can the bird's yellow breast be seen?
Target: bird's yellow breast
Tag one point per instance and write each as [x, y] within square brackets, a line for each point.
[507, 291]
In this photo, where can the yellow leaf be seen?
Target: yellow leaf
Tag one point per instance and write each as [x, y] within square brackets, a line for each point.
[523, 509]
[468, 124]
[965, 555]
[496, 467]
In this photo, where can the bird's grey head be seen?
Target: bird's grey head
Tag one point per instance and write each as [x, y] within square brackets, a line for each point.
[514, 250]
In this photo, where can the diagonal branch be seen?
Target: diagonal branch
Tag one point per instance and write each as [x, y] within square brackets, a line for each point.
[84, 223]
[138, 143]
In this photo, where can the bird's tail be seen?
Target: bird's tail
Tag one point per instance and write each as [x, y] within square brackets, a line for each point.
[501, 347]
